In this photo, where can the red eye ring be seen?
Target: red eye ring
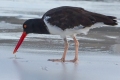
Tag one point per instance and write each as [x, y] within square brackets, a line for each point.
[25, 26]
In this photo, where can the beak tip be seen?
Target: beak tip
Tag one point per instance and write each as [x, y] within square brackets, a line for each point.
[14, 52]
[19, 42]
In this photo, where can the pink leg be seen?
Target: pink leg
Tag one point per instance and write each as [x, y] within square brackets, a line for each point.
[64, 54]
[76, 51]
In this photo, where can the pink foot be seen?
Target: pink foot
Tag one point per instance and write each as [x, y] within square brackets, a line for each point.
[57, 60]
[74, 60]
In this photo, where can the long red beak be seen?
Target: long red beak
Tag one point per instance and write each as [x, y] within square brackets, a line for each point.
[20, 42]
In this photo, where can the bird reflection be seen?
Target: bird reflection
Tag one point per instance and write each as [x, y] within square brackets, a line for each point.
[67, 71]
[22, 72]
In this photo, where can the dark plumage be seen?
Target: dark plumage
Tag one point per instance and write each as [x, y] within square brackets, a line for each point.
[69, 17]
[65, 21]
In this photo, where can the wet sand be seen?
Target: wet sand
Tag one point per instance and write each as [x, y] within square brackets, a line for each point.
[99, 55]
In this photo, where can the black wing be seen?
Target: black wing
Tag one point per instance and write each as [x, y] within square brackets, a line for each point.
[70, 17]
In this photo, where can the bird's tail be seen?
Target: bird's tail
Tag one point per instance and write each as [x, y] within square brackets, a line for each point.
[107, 20]
[113, 21]
[118, 22]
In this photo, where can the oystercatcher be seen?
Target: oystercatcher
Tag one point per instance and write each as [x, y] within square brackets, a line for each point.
[66, 21]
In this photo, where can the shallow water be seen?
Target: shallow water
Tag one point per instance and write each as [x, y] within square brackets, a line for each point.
[99, 53]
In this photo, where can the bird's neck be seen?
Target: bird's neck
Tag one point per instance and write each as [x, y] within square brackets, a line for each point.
[41, 28]
[45, 30]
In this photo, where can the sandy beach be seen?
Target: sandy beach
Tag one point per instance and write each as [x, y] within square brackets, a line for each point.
[99, 51]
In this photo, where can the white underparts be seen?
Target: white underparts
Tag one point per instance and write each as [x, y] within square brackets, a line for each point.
[69, 32]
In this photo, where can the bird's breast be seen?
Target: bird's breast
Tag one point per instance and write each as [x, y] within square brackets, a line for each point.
[56, 30]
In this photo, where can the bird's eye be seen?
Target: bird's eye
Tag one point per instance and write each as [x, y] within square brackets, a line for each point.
[25, 26]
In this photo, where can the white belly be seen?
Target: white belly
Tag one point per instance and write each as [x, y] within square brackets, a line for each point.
[70, 32]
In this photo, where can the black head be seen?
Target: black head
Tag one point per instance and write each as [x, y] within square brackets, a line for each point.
[31, 26]
[35, 26]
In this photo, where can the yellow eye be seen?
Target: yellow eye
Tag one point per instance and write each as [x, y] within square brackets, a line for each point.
[25, 26]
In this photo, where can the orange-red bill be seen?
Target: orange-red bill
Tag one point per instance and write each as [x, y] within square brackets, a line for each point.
[20, 42]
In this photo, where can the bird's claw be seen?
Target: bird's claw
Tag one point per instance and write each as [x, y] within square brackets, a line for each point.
[63, 60]
[74, 60]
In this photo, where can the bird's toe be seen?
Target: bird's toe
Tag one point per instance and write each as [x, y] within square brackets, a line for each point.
[74, 60]
[57, 60]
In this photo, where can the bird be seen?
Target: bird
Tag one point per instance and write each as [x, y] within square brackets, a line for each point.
[66, 21]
